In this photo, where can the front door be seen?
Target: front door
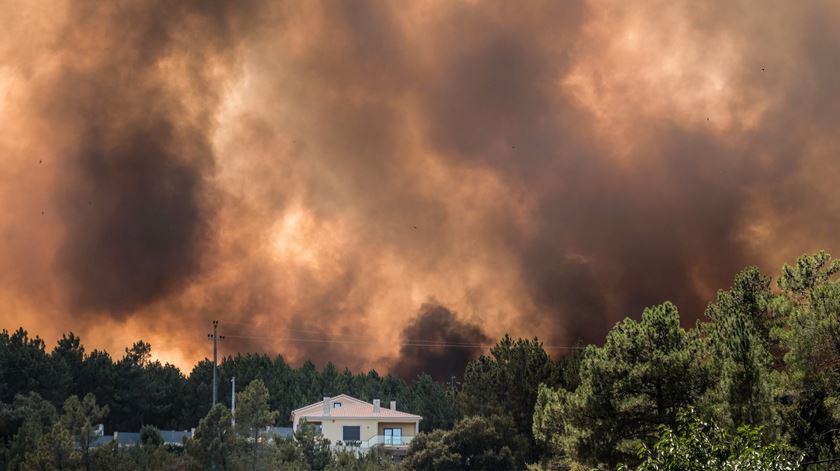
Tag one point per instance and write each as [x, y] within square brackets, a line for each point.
[393, 436]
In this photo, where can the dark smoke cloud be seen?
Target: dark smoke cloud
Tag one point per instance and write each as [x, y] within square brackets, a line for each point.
[134, 198]
[143, 237]
[305, 170]
[454, 343]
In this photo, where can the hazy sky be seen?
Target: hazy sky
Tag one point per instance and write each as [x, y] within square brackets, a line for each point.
[384, 173]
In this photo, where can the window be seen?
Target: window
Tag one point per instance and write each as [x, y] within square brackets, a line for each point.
[315, 426]
[336, 405]
[351, 433]
[393, 436]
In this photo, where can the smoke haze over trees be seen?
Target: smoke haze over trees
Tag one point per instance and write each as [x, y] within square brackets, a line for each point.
[753, 385]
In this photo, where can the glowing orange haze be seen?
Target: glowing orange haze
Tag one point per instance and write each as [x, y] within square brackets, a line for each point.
[304, 170]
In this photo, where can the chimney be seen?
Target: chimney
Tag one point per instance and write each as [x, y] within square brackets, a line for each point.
[326, 406]
[393, 405]
[376, 406]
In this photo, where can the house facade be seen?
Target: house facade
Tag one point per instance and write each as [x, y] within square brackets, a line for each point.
[350, 422]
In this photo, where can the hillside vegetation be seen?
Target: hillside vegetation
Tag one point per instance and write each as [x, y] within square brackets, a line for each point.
[754, 385]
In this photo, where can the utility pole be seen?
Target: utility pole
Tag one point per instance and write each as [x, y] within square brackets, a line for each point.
[215, 337]
[233, 401]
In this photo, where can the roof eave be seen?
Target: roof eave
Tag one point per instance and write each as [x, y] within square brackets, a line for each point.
[345, 396]
[378, 417]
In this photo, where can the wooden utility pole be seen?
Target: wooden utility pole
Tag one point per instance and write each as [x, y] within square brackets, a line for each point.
[233, 401]
[215, 337]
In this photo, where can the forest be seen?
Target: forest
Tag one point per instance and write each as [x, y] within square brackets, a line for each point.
[753, 385]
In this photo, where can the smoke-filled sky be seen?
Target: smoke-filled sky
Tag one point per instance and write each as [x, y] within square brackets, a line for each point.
[382, 174]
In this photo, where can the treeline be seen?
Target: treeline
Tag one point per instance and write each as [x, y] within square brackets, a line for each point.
[754, 385]
[485, 420]
[141, 392]
[51, 439]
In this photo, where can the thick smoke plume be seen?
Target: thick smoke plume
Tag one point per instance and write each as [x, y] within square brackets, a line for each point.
[438, 343]
[133, 195]
[310, 173]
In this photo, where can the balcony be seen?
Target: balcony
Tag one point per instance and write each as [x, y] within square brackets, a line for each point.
[386, 441]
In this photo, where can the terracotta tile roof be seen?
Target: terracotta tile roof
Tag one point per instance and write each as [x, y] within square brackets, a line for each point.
[342, 398]
[354, 408]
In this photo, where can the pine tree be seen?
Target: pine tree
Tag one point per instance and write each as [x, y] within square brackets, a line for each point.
[253, 415]
[643, 375]
[55, 451]
[737, 335]
[506, 382]
[807, 329]
[79, 418]
[214, 442]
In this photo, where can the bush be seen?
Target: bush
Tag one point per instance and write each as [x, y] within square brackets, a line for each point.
[702, 446]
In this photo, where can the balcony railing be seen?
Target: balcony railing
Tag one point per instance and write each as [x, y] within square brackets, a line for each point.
[383, 440]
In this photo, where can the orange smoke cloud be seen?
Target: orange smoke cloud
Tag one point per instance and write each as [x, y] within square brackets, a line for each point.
[325, 170]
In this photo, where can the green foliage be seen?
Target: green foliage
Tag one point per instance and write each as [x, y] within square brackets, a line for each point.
[375, 460]
[548, 427]
[148, 391]
[67, 358]
[807, 330]
[21, 424]
[476, 442]
[79, 418]
[140, 391]
[313, 449]
[25, 366]
[568, 366]
[24, 442]
[697, 445]
[142, 458]
[768, 359]
[430, 400]
[214, 442]
[252, 410]
[55, 450]
[144, 394]
[252, 415]
[150, 436]
[810, 272]
[644, 374]
[739, 352]
[25, 408]
[506, 382]
[98, 376]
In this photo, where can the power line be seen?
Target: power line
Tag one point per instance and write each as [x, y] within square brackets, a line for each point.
[355, 339]
[407, 343]
[303, 331]
[345, 336]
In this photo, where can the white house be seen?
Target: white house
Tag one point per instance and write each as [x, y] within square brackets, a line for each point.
[347, 421]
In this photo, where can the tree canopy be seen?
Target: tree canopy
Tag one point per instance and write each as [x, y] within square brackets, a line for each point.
[754, 385]
[645, 373]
